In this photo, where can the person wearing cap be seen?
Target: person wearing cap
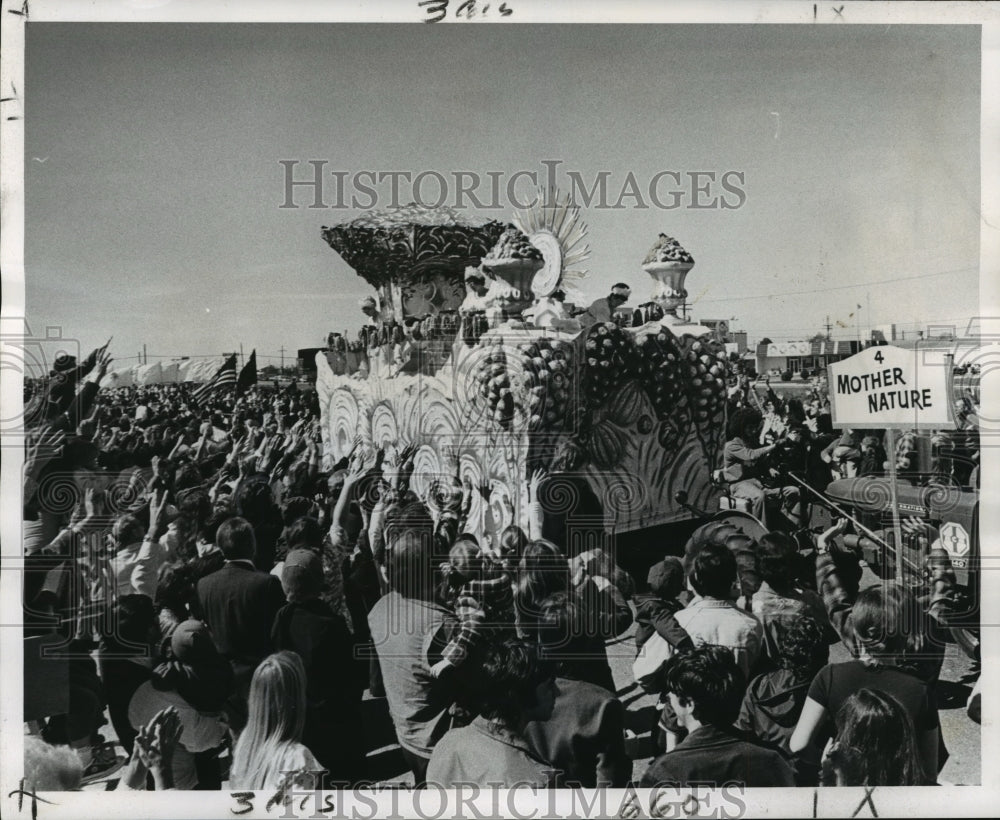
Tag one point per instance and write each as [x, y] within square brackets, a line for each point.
[603, 309]
[655, 610]
[196, 681]
[335, 681]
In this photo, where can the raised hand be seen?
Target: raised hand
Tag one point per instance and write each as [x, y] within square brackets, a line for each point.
[156, 742]
[43, 447]
[157, 506]
[538, 475]
[90, 503]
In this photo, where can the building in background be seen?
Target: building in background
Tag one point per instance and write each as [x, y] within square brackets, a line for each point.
[775, 358]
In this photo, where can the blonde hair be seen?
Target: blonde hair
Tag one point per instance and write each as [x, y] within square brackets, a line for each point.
[277, 717]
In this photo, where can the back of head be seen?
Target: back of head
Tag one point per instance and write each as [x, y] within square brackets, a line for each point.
[175, 587]
[195, 504]
[803, 646]
[875, 743]
[883, 617]
[562, 632]
[513, 542]
[409, 551]
[302, 575]
[236, 539]
[465, 559]
[713, 571]
[305, 533]
[505, 680]
[254, 501]
[187, 477]
[776, 559]
[276, 714]
[134, 623]
[666, 577]
[295, 508]
[127, 530]
[709, 677]
[544, 571]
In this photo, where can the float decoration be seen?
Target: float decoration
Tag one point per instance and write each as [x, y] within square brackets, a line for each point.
[554, 226]
[414, 256]
[637, 412]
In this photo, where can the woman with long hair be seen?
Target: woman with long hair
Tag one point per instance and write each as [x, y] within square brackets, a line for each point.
[269, 753]
[883, 620]
[544, 573]
[875, 744]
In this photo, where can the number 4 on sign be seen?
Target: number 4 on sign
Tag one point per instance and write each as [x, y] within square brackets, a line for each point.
[879, 357]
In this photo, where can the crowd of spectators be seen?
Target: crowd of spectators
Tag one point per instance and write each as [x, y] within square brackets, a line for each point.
[224, 598]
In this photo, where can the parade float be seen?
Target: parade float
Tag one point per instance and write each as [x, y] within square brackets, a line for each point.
[511, 381]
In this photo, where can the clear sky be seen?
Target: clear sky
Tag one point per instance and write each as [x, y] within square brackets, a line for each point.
[155, 214]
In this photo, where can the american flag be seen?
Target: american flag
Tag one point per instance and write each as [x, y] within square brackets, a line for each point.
[225, 377]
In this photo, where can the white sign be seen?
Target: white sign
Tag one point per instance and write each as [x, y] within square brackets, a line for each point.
[888, 386]
[775, 351]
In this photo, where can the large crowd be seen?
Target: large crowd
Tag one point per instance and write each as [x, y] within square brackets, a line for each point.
[224, 598]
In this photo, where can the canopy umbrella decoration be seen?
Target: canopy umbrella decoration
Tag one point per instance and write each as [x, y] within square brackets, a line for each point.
[414, 256]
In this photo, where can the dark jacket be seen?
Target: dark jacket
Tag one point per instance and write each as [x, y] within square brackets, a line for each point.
[713, 755]
[584, 737]
[239, 605]
[772, 705]
[335, 681]
[770, 712]
[654, 614]
[321, 638]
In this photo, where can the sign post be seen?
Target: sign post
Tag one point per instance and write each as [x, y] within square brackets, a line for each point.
[891, 388]
[897, 532]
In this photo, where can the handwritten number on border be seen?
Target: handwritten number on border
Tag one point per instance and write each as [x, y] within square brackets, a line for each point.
[437, 10]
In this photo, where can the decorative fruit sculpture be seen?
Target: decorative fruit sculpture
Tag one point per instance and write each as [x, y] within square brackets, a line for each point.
[667, 249]
[610, 359]
[495, 387]
[547, 374]
[660, 363]
[513, 244]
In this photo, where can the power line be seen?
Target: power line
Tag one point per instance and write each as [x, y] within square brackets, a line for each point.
[835, 287]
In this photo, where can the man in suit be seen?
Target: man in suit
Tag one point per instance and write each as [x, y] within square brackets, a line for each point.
[239, 604]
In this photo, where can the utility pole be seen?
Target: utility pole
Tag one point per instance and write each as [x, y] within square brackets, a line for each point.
[828, 326]
[282, 360]
[241, 355]
[144, 359]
